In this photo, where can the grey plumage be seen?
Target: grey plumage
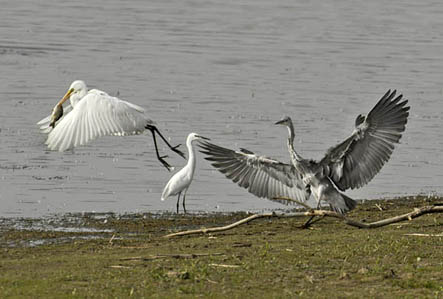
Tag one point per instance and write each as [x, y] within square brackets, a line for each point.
[355, 161]
[348, 165]
[261, 176]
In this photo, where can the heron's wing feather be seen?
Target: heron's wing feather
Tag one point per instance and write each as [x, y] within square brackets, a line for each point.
[355, 161]
[261, 176]
[97, 114]
[44, 123]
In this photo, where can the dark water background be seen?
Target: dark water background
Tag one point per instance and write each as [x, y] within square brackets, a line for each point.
[225, 69]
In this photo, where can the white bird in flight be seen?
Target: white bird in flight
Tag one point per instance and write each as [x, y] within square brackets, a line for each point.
[94, 114]
[181, 181]
[350, 164]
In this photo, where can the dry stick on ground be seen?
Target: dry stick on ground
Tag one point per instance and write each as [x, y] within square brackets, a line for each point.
[408, 216]
[164, 256]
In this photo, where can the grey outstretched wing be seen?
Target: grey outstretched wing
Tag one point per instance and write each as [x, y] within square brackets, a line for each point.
[355, 161]
[261, 176]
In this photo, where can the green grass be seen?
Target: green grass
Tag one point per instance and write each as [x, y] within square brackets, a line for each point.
[270, 258]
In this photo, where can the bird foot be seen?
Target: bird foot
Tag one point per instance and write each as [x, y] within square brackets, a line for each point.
[306, 225]
[165, 164]
[175, 149]
[311, 221]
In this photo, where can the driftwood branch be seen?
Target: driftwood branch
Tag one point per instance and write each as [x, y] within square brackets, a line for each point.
[221, 228]
[408, 216]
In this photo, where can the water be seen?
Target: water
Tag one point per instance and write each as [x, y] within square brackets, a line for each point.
[225, 69]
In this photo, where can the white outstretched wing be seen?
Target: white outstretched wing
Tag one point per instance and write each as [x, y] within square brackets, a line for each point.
[97, 114]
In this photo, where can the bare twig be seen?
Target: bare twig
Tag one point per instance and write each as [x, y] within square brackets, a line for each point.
[222, 228]
[245, 220]
[408, 216]
[119, 267]
[424, 235]
[112, 239]
[165, 256]
[224, 266]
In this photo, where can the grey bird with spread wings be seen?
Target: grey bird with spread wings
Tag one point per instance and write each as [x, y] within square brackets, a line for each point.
[348, 165]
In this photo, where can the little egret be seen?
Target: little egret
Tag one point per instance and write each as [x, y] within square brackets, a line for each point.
[350, 164]
[181, 181]
[94, 114]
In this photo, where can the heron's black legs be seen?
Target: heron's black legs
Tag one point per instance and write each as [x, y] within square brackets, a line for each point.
[309, 222]
[178, 200]
[154, 130]
[314, 221]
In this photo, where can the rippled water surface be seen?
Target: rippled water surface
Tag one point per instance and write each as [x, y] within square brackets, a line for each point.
[225, 69]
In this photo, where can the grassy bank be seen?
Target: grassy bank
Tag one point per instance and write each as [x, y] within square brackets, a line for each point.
[127, 256]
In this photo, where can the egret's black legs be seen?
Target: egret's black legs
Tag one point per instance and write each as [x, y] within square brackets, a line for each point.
[184, 198]
[154, 130]
[178, 200]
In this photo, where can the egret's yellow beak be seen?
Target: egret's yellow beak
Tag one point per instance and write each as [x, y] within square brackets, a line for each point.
[66, 96]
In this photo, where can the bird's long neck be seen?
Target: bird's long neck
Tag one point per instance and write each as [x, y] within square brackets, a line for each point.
[75, 98]
[295, 157]
[191, 160]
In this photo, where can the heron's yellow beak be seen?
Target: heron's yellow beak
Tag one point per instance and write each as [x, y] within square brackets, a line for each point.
[66, 96]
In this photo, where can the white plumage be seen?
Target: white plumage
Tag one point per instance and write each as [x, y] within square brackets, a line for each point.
[95, 114]
[181, 181]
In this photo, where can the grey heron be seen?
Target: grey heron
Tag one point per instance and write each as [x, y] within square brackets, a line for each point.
[92, 114]
[181, 181]
[350, 164]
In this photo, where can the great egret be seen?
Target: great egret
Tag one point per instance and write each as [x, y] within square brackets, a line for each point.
[94, 114]
[350, 164]
[181, 181]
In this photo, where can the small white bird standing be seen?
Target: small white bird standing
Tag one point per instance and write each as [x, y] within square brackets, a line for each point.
[181, 181]
[94, 114]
